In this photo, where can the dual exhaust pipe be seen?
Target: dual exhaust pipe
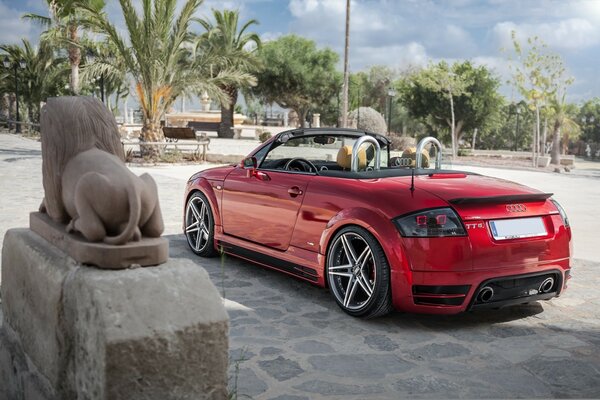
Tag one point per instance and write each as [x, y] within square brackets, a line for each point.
[486, 293]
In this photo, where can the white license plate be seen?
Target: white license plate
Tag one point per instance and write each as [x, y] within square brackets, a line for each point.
[503, 229]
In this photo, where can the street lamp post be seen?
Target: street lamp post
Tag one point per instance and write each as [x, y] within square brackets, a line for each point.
[92, 58]
[7, 64]
[391, 94]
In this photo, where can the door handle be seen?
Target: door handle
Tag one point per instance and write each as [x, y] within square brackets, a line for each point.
[294, 191]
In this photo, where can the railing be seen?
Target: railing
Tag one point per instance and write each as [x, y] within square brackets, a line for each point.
[9, 123]
[421, 146]
[355, 156]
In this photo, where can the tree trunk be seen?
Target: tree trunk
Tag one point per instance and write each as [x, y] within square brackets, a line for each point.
[225, 126]
[302, 114]
[74, 59]
[452, 131]
[545, 136]
[555, 156]
[346, 72]
[151, 132]
[536, 135]
[474, 139]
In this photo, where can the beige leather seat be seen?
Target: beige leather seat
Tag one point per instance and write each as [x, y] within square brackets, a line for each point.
[344, 157]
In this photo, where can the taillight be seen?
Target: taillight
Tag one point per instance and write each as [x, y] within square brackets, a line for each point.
[439, 222]
[562, 212]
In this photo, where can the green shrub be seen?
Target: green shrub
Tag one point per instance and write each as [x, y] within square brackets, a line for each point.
[263, 137]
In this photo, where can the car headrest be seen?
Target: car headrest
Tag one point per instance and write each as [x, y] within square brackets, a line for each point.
[344, 157]
[411, 154]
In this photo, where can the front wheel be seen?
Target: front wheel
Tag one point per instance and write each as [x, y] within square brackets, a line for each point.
[200, 225]
[358, 273]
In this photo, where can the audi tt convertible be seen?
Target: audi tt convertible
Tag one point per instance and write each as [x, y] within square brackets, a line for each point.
[335, 207]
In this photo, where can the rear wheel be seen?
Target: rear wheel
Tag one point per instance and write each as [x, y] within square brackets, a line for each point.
[358, 273]
[200, 225]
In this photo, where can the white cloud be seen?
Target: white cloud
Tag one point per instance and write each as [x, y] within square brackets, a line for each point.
[400, 57]
[13, 28]
[569, 34]
[299, 8]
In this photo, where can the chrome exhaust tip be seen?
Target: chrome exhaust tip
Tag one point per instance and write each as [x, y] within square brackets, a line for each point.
[547, 285]
[485, 294]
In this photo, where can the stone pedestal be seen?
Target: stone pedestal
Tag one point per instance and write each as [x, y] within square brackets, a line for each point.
[72, 331]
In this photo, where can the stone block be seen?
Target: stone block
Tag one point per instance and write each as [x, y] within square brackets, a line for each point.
[72, 331]
[145, 252]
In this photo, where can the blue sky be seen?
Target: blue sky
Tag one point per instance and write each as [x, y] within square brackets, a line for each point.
[404, 33]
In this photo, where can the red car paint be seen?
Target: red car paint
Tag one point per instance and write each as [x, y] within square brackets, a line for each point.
[292, 218]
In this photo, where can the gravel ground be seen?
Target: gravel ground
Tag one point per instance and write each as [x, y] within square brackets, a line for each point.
[288, 339]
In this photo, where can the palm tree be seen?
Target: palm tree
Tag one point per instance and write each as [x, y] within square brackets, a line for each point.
[42, 76]
[561, 113]
[63, 29]
[224, 38]
[104, 65]
[157, 55]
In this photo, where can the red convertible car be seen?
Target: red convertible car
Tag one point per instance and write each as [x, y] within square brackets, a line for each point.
[333, 207]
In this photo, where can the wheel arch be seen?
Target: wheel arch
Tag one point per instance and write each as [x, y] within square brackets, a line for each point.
[375, 223]
[203, 186]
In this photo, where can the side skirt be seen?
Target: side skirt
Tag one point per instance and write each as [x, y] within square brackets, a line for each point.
[270, 261]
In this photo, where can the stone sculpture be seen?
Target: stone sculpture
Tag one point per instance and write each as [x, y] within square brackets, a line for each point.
[85, 177]
[88, 189]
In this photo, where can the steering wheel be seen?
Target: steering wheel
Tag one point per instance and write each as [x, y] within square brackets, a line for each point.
[302, 162]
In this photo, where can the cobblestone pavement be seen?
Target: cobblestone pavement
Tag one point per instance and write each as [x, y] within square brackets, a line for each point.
[289, 340]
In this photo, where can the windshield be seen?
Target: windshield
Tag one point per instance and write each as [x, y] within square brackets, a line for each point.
[324, 151]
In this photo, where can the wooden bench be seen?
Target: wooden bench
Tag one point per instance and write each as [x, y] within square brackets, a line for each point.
[173, 134]
[204, 126]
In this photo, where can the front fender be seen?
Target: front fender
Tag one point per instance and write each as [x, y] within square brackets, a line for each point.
[206, 187]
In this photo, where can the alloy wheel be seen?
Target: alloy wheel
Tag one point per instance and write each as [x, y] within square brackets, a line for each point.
[351, 271]
[198, 224]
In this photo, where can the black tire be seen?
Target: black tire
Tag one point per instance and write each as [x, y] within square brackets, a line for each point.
[198, 207]
[349, 282]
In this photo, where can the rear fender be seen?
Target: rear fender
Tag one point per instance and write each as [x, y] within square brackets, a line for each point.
[386, 234]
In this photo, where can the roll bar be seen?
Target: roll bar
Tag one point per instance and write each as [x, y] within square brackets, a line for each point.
[421, 146]
[359, 142]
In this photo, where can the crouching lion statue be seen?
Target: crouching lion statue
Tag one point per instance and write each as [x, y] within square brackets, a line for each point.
[86, 181]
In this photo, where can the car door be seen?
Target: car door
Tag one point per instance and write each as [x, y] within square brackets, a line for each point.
[263, 207]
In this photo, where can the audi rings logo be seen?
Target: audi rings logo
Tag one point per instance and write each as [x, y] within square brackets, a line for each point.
[516, 208]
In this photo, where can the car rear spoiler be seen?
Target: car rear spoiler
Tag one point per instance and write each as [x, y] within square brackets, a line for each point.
[511, 198]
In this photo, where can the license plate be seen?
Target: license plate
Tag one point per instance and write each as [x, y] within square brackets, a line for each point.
[503, 229]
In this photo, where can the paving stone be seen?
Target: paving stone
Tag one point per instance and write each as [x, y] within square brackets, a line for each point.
[301, 332]
[510, 331]
[360, 365]
[268, 313]
[313, 347]
[246, 321]
[270, 351]
[567, 377]
[289, 397]
[235, 283]
[380, 342]
[281, 368]
[248, 384]
[233, 314]
[426, 384]
[317, 315]
[435, 351]
[332, 388]
[240, 355]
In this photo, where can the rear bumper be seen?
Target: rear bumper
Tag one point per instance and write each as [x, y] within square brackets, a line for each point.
[454, 292]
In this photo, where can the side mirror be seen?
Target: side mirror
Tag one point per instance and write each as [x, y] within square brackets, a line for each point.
[249, 163]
